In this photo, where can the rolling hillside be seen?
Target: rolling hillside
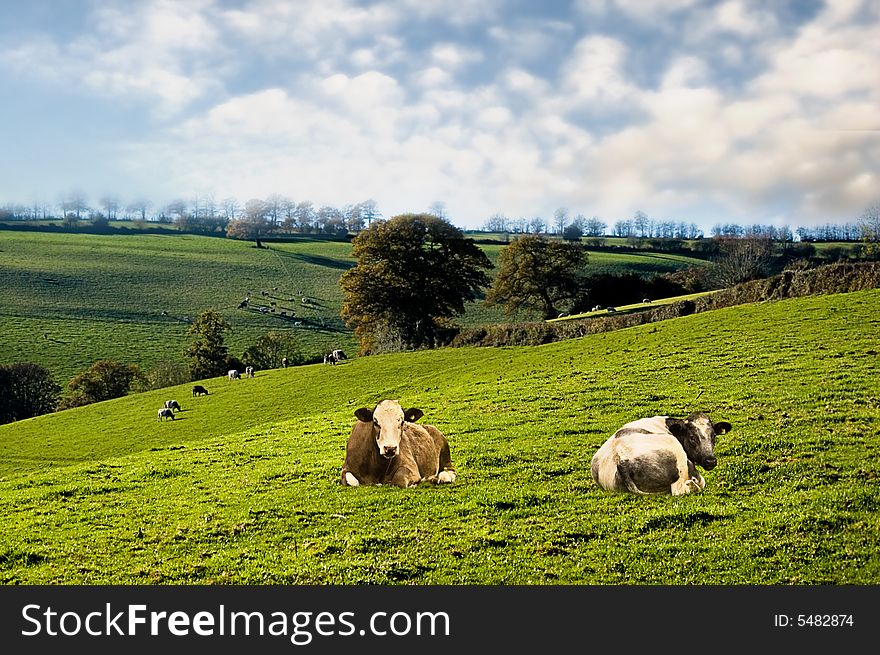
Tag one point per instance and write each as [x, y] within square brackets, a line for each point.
[67, 300]
[242, 488]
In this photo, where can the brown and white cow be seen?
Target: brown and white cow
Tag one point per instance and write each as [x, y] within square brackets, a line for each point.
[658, 455]
[387, 447]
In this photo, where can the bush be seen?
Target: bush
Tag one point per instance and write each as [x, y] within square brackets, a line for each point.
[26, 390]
[167, 374]
[832, 278]
[103, 380]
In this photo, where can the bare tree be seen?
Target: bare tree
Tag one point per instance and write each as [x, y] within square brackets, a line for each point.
[110, 204]
[305, 216]
[230, 208]
[274, 204]
[538, 225]
[641, 223]
[140, 206]
[869, 226]
[594, 227]
[75, 203]
[438, 209]
[742, 259]
[560, 219]
[497, 223]
[370, 211]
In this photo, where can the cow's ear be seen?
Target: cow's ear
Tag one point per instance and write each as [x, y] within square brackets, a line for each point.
[722, 427]
[412, 414]
[678, 427]
[364, 414]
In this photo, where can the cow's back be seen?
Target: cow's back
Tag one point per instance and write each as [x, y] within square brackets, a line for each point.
[423, 444]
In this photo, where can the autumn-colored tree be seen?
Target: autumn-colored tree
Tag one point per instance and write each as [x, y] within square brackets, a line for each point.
[537, 272]
[414, 273]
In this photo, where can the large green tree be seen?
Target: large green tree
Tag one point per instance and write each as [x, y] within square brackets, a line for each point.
[537, 272]
[208, 356]
[414, 273]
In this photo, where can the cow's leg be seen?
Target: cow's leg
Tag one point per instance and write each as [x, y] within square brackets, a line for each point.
[694, 477]
[686, 484]
[405, 476]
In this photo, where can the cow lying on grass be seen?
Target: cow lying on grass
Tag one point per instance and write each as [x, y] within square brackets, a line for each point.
[658, 455]
[387, 447]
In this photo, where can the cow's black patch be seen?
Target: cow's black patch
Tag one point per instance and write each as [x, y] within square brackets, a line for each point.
[653, 473]
[624, 432]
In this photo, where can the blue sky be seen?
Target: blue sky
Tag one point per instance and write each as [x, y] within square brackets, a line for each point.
[698, 110]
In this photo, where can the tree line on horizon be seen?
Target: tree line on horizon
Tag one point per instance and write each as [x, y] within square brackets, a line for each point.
[278, 213]
[204, 214]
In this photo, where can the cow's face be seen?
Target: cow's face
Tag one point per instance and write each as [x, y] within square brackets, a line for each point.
[388, 420]
[697, 435]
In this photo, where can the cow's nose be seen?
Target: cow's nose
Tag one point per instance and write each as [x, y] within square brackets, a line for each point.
[390, 451]
[710, 463]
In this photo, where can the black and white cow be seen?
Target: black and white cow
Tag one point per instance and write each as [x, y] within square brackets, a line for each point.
[658, 455]
[172, 405]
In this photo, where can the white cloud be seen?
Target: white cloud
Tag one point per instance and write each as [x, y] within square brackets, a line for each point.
[594, 78]
[451, 56]
[157, 50]
[308, 28]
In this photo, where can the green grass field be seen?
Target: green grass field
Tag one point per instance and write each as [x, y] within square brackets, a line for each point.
[68, 300]
[242, 488]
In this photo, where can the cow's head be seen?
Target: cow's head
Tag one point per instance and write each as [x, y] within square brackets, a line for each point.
[697, 435]
[388, 419]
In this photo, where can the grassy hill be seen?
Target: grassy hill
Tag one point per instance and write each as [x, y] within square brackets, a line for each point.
[242, 488]
[68, 300]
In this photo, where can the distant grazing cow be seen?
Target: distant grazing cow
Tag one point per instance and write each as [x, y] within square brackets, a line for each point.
[243, 304]
[658, 455]
[172, 405]
[199, 390]
[611, 310]
[234, 375]
[165, 413]
[249, 371]
[387, 447]
[284, 362]
[339, 355]
[646, 300]
[596, 308]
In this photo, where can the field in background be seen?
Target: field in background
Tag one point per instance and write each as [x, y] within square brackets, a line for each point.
[242, 488]
[67, 300]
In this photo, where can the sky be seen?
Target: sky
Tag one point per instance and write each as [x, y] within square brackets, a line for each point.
[705, 111]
